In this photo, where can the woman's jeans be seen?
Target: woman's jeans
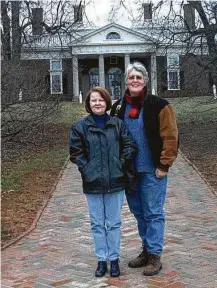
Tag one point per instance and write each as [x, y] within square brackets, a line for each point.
[147, 206]
[105, 218]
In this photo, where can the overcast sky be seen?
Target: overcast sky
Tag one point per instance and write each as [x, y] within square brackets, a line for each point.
[101, 12]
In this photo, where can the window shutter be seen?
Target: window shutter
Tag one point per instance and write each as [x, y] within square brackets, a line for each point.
[182, 80]
[65, 82]
[47, 84]
[164, 80]
[211, 82]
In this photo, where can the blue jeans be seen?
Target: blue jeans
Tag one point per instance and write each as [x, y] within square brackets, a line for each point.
[147, 206]
[105, 218]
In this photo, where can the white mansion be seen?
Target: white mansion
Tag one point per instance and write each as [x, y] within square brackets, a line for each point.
[71, 65]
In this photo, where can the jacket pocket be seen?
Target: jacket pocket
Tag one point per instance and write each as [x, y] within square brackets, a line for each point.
[117, 167]
[90, 172]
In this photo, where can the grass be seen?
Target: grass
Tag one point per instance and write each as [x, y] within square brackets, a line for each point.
[15, 172]
[69, 112]
[198, 109]
[27, 180]
[187, 110]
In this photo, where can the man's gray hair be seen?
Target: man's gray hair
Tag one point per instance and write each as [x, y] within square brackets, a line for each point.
[139, 67]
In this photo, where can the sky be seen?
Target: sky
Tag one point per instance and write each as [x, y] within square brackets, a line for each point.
[100, 11]
[124, 12]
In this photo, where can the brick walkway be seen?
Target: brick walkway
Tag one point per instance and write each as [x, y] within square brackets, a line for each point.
[59, 252]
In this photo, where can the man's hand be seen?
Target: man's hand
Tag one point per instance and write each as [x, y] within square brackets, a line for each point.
[160, 173]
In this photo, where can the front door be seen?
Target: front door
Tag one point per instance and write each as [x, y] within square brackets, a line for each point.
[114, 83]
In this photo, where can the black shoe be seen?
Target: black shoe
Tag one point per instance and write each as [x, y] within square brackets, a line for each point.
[101, 269]
[114, 268]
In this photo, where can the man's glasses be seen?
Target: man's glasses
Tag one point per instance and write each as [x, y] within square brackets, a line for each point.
[137, 77]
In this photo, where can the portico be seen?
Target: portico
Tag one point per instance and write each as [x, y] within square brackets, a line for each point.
[101, 58]
[112, 77]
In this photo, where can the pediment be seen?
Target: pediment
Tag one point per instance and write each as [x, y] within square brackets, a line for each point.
[99, 36]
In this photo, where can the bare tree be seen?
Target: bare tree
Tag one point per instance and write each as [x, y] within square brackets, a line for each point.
[208, 17]
[195, 30]
[26, 105]
[189, 25]
[58, 19]
[6, 47]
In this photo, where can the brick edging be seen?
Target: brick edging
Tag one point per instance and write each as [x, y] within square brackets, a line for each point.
[198, 172]
[40, 211]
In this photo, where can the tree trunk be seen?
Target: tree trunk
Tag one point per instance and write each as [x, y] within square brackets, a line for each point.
[6, 45]
[16, 31]
[210, 30]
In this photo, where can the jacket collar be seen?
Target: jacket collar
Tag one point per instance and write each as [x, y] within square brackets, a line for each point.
[122, 103]
[89, 121]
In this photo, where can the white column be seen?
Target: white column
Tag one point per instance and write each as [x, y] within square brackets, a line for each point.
[214, 92]
[126, 61]
[75, 78]
[153, 74]
[101, 71]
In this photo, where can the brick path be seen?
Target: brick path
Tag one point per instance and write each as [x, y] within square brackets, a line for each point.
[59, 252]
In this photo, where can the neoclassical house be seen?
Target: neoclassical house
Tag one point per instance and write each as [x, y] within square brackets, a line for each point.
[71, 65]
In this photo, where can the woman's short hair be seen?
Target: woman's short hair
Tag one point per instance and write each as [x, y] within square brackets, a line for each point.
[139, 67]
[103, 93]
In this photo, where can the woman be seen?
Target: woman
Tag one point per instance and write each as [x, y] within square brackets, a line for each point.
[152, 123]
[101, 146]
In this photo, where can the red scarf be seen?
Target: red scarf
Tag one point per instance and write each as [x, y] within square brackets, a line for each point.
[136, 102]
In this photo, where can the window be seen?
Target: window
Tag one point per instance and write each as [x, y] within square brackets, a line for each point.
[56, 83]
[113, 36]
[173, 72]
[56, 65]
[94, 77]
[56, 79]
[173, 61]
[173, 80]
[114, 83]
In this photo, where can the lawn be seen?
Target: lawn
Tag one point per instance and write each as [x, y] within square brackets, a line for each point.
[29, 173]
[197, 109]
[197, 122]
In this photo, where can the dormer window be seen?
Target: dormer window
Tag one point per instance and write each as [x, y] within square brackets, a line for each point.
[113, 36]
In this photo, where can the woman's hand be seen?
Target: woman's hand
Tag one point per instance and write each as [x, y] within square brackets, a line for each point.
[160, 173]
